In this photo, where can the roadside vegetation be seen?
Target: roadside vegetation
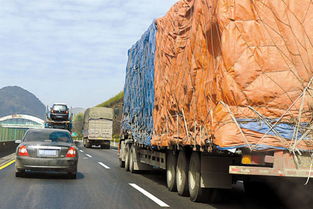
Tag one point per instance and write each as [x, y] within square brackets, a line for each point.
[116, 103]
[78, 122]
[112, 101]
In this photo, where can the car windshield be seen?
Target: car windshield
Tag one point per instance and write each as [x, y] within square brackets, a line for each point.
[59, 107]
[41, 136]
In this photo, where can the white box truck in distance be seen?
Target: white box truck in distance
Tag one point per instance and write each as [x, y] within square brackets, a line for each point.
[97, 127]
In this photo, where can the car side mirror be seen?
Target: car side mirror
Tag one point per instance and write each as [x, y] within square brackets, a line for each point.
[18, 141]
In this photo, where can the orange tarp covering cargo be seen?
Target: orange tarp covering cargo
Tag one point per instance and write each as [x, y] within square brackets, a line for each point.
[235, 73]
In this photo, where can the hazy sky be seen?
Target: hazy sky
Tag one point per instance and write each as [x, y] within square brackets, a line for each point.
[72, 51]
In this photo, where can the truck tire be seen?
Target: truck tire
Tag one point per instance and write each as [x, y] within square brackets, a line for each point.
[127, 155]
[171, 171]
[131, 159]
[197, 194]
[121, 163]
[182, 173]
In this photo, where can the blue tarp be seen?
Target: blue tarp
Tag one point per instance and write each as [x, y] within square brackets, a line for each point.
[285, 130]
[139, 88]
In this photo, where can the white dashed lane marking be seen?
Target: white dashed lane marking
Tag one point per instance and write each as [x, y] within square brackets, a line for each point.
[103, 165]
[81, 150]
[150, 196]
[88, 155]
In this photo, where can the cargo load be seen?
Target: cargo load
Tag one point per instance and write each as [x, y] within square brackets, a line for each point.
[224, 73]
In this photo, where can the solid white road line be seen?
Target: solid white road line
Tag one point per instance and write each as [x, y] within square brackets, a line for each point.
[81, 150]
[103, 165]
[88, 155]
[150, 196]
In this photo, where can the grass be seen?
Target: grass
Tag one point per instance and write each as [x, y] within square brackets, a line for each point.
[112, 101]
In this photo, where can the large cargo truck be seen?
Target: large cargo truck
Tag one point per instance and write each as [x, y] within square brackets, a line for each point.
[220, 91]
[97, 127]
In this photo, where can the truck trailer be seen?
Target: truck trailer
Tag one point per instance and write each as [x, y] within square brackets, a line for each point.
[97, 127]
[220, 91]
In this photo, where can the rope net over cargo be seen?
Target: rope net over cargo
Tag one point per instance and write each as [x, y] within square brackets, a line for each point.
[235, 73]
[228, 73]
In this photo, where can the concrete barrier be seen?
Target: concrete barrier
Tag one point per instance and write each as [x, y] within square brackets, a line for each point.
[7, 148]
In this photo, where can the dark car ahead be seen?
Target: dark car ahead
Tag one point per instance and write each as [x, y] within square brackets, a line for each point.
[59, 112]
[46, 150]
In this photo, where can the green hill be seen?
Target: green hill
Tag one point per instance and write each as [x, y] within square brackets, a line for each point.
[113, 101]
[116, 103]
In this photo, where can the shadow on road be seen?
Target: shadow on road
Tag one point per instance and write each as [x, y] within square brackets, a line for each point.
[156, 175]
[51, 175]
[277, 195]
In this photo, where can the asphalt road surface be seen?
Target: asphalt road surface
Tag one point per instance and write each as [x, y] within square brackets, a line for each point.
[101, 183]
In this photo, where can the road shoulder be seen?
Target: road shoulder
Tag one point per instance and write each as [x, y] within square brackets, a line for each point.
[6, 159]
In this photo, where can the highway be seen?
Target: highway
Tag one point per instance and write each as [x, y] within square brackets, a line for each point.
[101, 183]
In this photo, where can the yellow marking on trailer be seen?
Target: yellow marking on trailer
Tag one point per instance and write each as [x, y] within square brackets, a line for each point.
[7, 164]
[246, 159]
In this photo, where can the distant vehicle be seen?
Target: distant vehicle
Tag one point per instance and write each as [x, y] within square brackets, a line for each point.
[59, 116]
[97, 127]
[59, 112]
[46, 150]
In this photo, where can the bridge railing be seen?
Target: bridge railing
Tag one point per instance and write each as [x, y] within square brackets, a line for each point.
[11, 134]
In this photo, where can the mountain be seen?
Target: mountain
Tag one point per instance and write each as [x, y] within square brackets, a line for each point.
[16, 100]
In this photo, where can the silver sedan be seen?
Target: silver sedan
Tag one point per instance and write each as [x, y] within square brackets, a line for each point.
[46, 150]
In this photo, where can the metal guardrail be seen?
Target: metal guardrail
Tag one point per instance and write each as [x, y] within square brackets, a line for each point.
[27, 126]
[11, 134]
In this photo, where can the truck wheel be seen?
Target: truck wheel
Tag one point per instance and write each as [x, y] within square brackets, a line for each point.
[127, 155]
[121, 163]
[197, 194]
[131, 159]
[182, 173]
[171, 171]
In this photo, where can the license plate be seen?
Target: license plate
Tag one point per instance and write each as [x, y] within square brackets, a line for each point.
[48, 153]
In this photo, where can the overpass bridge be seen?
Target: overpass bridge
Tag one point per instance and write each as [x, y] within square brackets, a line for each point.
[13, 127]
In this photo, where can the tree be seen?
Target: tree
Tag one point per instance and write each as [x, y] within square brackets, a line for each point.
[78, 122]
